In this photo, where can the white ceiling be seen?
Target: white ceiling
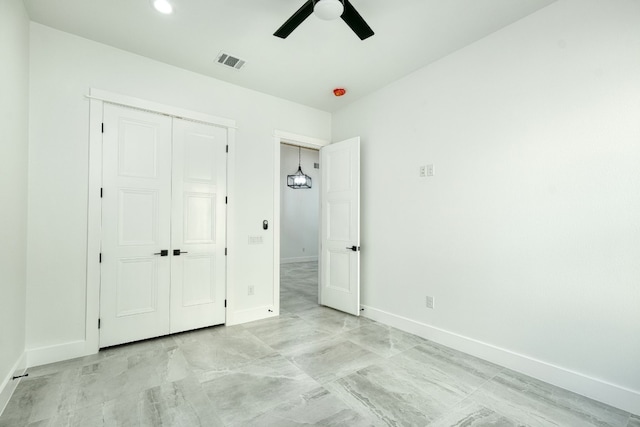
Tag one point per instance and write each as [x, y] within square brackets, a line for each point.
[317, 57]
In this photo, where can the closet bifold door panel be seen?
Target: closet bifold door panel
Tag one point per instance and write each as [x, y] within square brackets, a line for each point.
[198, 267]
[135, 278]
[163, 266]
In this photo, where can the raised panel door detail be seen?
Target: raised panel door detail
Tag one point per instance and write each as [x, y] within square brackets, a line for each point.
[339, 271]
[338, 218]
[136, 224]
[136, 286]
[338, 177]
[199, 218]
[138, 149]
[199, 280]
[199, 158]
[340, 227]
[138, 217]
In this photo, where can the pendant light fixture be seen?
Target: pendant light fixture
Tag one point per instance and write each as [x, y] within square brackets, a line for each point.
[299, 179]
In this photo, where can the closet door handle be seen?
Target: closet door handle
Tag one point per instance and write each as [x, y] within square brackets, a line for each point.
[177, 252]
[354, 248]
[163, 252]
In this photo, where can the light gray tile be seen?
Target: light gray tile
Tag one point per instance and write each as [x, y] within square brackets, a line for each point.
[297, 305]
[40, 397]
[383, 340]
[254, 374]
[241, 394]
[223, 349]
[88, 416]
[535, 403]
[287, 333]
[332, 321]
[447, 366]
[387, 399]
[182, 403]
[634, 421]
[116, 376]
[469, 414]
[414, 387]
[333, 359]
[318, 407]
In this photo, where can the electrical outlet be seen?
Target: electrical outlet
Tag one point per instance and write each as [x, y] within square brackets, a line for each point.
[423, 171]
[430, 302]
[252, 290]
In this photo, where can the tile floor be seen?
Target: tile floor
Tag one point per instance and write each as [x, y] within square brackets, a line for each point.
[310, 366]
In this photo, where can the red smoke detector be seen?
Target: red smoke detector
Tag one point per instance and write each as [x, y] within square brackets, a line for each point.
[339, 91]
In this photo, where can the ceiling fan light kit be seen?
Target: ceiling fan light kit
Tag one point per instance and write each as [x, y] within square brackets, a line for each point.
[327, 9]
[163, 6]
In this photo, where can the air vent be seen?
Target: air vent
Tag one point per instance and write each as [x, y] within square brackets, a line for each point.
[230, 61]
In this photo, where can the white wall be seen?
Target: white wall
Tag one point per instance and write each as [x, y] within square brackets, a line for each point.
[63, 68]
[528, 235]
[14, 114]
[299, 208]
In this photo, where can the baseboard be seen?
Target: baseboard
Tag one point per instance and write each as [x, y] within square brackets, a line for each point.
[298, 259]
[602, 391]
[56, 353]
[9, 385]
[252, 314]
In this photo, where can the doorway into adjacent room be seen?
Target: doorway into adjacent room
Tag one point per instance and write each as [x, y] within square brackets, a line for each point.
[299, 227]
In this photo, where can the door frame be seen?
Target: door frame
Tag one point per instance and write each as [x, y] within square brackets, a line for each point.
[97, 99]
[280, 136]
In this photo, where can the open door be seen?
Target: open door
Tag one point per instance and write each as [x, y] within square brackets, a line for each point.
[340, 227]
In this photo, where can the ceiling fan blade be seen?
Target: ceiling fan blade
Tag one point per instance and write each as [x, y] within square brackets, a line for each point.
[356, 22]
[295, 20]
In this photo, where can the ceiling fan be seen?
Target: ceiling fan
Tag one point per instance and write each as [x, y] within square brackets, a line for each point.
[327, 10]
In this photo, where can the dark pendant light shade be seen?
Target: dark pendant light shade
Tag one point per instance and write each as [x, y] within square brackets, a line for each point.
[299, 179]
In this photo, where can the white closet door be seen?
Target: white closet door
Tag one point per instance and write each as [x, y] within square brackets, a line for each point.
[198, 265]
[136, 209]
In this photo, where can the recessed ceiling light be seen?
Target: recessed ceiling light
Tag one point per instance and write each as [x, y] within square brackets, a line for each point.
[163, 6]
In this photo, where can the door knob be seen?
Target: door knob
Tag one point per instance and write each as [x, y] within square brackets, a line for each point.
[177, 252]
[163, 252]
[354, 248]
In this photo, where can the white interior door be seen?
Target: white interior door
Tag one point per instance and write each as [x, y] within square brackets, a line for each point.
[136, 209]
[340, 228]
[198, 265]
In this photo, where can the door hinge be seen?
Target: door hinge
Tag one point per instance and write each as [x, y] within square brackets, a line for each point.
[101, 192]
[100, 257]
[225, 303]
[98, 323]
[103, 128]
[226, 200]
[226, 150]
[225, 251]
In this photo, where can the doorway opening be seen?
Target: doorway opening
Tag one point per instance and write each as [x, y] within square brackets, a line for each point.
[339, 237]
[299, 229]
[297, 262]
